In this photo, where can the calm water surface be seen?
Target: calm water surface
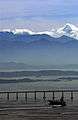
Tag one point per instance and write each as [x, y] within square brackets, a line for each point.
[42, 85]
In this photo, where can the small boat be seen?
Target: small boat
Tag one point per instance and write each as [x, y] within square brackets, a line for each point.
[60, 102]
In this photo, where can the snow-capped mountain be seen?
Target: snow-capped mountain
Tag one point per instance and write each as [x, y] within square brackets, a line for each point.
[67, 30]
[21, 31]
[40, 48]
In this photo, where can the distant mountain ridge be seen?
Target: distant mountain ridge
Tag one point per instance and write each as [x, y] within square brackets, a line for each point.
[41, 48]
[68, 29]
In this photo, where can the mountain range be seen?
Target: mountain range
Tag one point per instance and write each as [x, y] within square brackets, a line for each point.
[40, 48]
[67, 30]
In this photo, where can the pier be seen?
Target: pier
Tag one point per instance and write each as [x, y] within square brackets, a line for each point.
[41, 95]
[34, 105]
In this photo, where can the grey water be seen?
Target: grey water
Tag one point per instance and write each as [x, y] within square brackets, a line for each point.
[47, 85]
[40, 81]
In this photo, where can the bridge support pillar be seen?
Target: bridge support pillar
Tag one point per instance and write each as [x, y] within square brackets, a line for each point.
[7, 95]
[71, 95]
[53, 95]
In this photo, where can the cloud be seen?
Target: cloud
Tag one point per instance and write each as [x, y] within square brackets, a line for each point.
[37, 10]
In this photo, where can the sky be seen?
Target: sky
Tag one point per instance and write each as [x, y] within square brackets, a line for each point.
[37, 15]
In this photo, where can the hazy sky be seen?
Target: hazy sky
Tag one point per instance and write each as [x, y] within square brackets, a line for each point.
[37, 15]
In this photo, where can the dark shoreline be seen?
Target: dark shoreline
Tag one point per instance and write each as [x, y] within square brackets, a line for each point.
[65, 79]
[38, 73]
[15, 77]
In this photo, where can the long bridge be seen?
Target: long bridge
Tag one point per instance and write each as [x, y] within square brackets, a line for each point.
[44, 93]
